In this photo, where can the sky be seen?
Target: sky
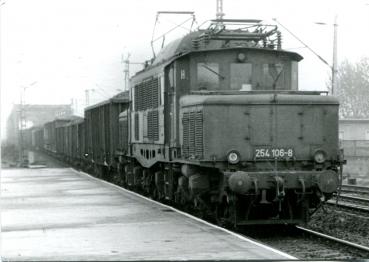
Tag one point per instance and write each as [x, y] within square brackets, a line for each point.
[58, 49]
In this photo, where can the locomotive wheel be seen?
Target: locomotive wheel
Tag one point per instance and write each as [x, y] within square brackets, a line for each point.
[148, 183]
[106, 173]
[181, 199]
[202, 208]
[121, 175]
[158, 195]
[226, 214]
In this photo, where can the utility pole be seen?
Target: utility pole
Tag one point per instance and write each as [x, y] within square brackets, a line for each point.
[334, 57]
[334, 62]
[126, 72]
[126, 63]
[72, 105]
[76, 106]
[87, 96]
[22, 126]
[23, 123]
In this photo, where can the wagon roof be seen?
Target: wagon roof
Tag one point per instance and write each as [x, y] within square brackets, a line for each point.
[66, 118]
[76, 121]
[122, 97]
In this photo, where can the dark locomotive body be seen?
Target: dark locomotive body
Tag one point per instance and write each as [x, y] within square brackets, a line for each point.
[215, 124]
[220, 126]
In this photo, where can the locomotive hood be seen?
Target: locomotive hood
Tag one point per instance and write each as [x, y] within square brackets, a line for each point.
[301, 124]
[276, 98]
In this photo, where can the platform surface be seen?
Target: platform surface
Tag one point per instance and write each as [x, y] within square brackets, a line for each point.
[61, 214]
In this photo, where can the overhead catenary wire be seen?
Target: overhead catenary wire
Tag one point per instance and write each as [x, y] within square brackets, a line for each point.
[178, 25]
[297, 38]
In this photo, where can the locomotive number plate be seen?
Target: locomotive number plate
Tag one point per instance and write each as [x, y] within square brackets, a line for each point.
[272, 153]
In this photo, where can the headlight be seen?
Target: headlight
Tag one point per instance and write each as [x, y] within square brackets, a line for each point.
[319, 156]
[233, 157]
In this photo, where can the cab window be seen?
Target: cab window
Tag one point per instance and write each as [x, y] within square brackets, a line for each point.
[208, 76]
[272, 76]
[241, 76]
[294, 75]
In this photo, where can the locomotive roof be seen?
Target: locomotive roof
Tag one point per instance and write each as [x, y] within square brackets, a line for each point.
[175, 48]
[206, 40]
[122, 97]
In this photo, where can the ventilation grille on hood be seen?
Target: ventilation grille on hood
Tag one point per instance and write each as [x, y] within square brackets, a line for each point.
[193, 135]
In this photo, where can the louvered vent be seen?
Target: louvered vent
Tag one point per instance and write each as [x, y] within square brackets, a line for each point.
[147, 95]
[153, 125]
[137, 128]
[123, 134]
[193, 135]
[198, 135]
[186, 127]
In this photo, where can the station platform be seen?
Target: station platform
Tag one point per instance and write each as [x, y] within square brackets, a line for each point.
[55, 214]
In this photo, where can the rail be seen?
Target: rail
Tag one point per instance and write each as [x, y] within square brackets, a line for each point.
[355, 189]
[353, 201]
[341, 241]
[354, 198]
[348, 205]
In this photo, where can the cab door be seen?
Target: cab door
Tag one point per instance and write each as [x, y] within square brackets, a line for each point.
[170, 114]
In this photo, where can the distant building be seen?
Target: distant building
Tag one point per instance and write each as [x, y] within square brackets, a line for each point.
[354, 137]
[34, 115]
[354, 129]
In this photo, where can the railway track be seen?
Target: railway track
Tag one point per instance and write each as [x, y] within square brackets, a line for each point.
[355, 189]
[308, 244]
[337, 240]
[350, 206]
[352, 197]
[305, 243]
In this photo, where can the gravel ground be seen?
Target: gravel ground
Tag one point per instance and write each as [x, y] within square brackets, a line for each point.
[347, 225]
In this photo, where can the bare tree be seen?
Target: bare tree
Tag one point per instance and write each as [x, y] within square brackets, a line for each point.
[353, 88]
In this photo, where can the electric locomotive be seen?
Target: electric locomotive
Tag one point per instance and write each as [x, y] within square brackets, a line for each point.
[216, 124]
